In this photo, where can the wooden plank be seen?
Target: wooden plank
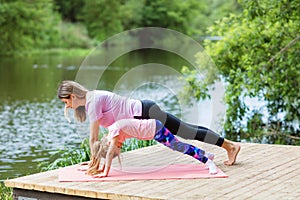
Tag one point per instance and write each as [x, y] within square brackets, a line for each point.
[265, 190]
[261, 175]
[37, 195]
[249, 183]
[261, 171]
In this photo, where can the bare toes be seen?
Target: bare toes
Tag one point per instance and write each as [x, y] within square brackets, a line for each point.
[232, 155]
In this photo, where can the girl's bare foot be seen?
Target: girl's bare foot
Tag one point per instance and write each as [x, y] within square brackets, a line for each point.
[211, 167]
[232, 151]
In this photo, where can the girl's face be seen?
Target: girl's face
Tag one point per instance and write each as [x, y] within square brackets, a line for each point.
[71, 102]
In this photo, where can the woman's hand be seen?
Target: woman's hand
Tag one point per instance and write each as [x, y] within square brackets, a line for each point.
[100, 175]
[85, 163]
[83, 168]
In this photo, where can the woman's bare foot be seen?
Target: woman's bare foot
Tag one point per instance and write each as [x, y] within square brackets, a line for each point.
[232, 151]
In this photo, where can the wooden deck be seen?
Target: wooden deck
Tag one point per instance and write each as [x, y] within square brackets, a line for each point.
[261, 172]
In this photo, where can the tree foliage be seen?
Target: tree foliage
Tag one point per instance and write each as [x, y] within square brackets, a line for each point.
[177, 15]
[41, 24]
[102, 18]
[105, 18]
[258, 57]
[190, 17]
[70, 10]
[27, 25]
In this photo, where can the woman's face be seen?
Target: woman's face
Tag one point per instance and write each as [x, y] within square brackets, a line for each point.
[71, 102]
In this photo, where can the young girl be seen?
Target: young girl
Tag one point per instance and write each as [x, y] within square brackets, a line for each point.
[109, 147]
[104, 108]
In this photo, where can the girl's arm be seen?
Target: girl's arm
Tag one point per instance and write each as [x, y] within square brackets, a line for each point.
[102, 168]
[113, 148]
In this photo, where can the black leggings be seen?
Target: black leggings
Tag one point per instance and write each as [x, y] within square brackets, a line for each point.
[150, 110]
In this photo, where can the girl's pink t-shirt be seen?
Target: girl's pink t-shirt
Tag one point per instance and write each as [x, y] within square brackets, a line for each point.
[108, 107]
[132, 128]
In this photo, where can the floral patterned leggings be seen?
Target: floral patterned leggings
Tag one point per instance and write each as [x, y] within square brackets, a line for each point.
[164, 136]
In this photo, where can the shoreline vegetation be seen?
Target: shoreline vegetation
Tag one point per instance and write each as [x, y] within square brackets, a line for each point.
[49, 52]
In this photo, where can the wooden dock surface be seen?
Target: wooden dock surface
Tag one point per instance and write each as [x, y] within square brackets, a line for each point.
[261, 172]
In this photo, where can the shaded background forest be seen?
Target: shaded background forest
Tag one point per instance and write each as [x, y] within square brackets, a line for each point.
[43, 24]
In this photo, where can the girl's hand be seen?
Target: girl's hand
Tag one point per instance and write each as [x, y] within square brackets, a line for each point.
[101, 170]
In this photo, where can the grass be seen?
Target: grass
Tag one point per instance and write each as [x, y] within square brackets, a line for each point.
[133, 144]
[54, 51]
[5, 192]
[67, 156]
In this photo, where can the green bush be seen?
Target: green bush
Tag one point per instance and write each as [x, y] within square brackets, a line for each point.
[5, 192]
[258, 57]
[66, 157]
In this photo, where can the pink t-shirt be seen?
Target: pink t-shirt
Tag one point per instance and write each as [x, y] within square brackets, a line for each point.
[108, 107]
[132, 128]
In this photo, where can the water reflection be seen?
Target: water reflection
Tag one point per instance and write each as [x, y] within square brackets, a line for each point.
[30, 131]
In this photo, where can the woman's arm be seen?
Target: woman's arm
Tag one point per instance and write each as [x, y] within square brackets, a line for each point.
[94, 131]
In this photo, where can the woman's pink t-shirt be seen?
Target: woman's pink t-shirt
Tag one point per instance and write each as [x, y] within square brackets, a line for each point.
[132, 128]
[108, 107]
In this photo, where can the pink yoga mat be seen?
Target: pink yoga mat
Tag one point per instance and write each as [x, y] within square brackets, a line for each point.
[178, 171]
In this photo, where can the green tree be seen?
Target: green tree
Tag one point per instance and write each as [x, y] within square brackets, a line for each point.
[132, 12]
[27, 25]
[70, 10]
[102, 18]
[176, 15]
[190, 17]
[218, 9]
[258, 57]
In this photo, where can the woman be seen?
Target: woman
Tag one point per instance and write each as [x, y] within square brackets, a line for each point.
[104, 108]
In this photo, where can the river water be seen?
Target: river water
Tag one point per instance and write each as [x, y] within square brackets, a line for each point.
[32, 125]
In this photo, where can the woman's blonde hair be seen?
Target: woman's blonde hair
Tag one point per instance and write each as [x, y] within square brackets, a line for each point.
[99, 150]
[65, 90]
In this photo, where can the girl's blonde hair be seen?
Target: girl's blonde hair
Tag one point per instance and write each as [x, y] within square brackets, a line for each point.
[99, 150]
[65, 90]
